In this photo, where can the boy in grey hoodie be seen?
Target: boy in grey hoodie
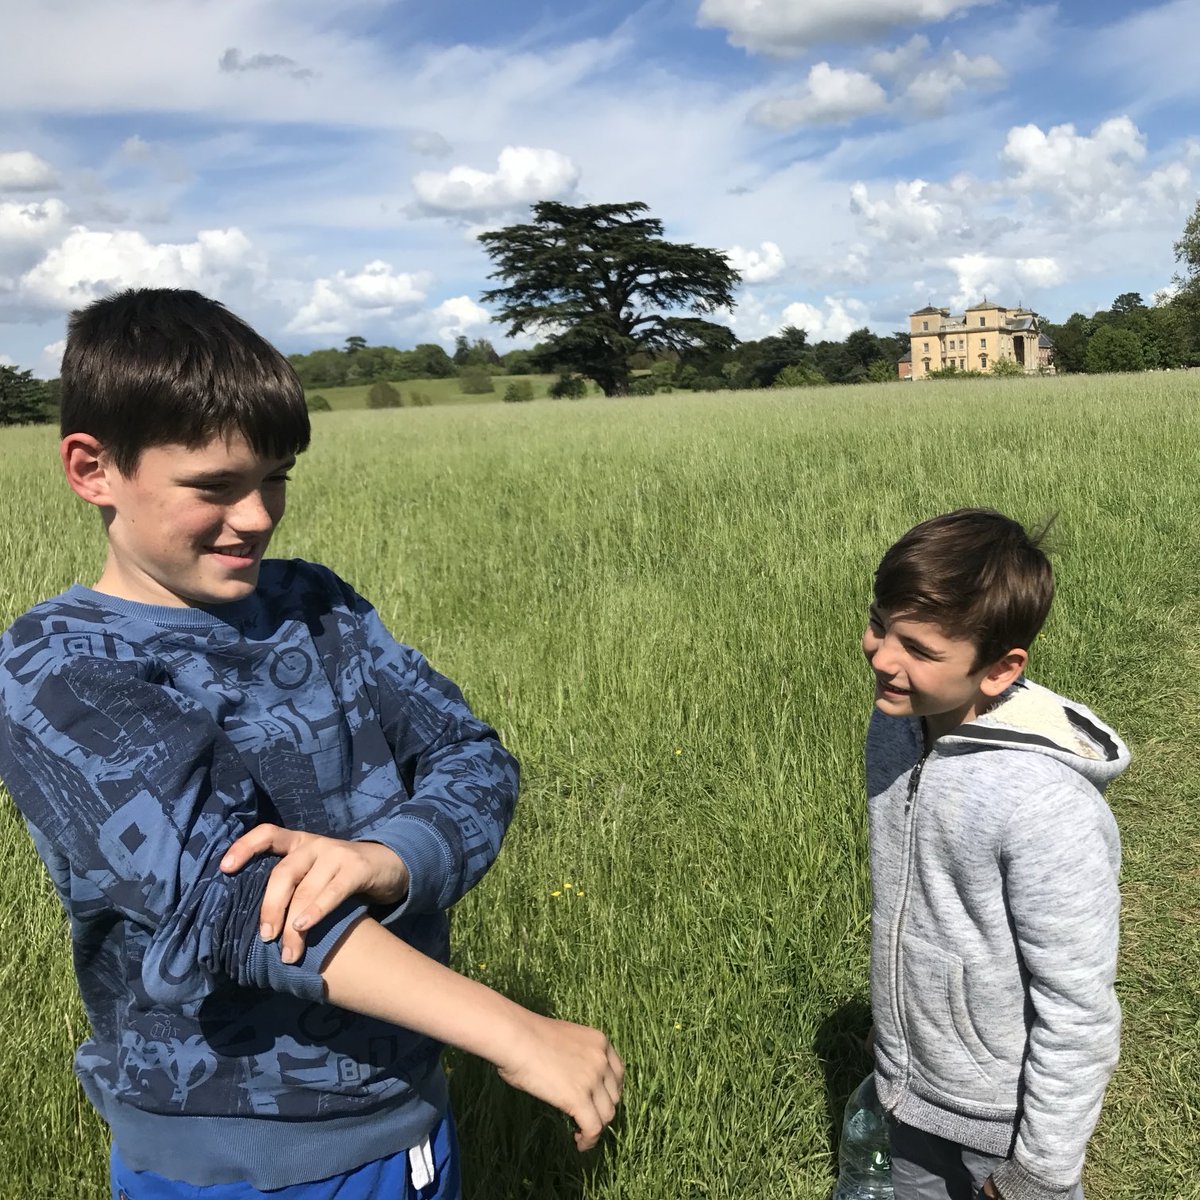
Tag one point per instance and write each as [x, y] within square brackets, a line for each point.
[994, 863]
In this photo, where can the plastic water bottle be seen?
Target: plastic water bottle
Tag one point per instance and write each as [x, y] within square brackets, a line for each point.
[864, 1162]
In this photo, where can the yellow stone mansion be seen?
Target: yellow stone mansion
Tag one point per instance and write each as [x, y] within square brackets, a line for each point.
[976, 341]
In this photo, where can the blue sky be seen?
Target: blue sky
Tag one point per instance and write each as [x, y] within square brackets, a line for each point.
[324, 167]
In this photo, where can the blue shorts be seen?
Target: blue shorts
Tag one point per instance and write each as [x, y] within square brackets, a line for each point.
[384, 1179]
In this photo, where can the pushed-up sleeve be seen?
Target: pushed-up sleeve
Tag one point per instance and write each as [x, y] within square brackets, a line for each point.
[1060, 860]
[133, 794]
[461, 782]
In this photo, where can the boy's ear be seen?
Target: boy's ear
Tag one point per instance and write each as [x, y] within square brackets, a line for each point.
[87, 468]
[1004, 672]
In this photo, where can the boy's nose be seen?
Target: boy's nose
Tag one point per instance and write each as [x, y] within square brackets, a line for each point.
[251, 514]
[882, 657]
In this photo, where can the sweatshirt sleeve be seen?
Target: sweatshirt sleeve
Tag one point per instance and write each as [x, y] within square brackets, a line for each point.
[1060, 859]
[133, 794]
[462, 782]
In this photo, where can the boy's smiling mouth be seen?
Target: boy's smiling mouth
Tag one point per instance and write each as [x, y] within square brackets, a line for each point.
[242, 552]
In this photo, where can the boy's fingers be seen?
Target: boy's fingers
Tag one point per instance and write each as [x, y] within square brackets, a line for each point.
[280, 892]
[612, 1087]
[317, 894]
[590, 1127]
[617, 1065]
[262, 839]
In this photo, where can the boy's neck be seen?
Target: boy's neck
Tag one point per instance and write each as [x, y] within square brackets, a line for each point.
[936, 725]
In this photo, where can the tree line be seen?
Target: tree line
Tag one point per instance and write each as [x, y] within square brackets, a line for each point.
[615, 303]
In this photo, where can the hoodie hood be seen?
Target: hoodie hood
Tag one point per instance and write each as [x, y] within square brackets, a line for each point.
[1030, 717]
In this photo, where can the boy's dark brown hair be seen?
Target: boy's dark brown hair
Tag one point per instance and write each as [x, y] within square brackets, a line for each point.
[976, 574]
[158, 366]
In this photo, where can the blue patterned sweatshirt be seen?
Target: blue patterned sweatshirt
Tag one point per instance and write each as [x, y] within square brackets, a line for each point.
[139, 742]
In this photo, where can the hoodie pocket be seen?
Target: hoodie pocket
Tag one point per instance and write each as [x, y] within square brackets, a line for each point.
[946, 1051]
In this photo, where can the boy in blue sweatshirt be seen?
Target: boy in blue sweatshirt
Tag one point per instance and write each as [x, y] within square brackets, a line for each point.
[255, 805]
[994, 863]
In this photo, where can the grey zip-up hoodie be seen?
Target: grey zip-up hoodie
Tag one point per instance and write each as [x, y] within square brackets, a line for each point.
[994, 863]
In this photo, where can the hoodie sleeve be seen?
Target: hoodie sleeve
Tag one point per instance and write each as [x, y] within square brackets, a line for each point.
[1060, 859]
[133, 794]
[462, 782]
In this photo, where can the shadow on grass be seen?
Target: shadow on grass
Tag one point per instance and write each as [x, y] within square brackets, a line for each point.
[839, 1046]
[512, 1145]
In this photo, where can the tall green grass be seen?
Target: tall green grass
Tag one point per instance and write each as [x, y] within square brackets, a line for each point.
[658, 602]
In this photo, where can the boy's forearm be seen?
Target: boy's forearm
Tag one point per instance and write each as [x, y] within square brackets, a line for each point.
[371, 971]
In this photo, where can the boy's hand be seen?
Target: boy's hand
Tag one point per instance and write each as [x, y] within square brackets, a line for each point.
[314, 876]
[570, 1066]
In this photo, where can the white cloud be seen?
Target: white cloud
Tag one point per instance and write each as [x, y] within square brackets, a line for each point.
[458, 314]
[23, 171]
[911, 215]
[1000, 278]
[832, 323]
[930, 91]
[523, 175]
[789, 27]
[1090, 175]
[340, 303]
[831, 96]
[927, 82]
[904, 60]
[135, 149]
[52, 358]
[89, 263]
[757, 266]
[5, 361]
[1039, 272]
[27, 231]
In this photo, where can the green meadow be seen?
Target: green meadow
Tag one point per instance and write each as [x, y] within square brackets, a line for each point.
[431, 391]
[658, 603]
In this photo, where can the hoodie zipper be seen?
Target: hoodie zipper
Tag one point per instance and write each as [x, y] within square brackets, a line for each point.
[910, 821]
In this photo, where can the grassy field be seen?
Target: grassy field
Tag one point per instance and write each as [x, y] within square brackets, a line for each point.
[438, 391]
[658, 602]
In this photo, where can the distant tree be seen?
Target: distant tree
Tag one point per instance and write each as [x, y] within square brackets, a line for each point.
[1007, 368]
[1112, 349]
[420, 399]
[475, 380]
[519, 362]
[519, 391]
[606, 282]
[882, 371]
[430, 361]
[317, 403]
[355, 343]
[662, 375]
[798, 375]
[1070, 343]
[568, 387]
[1187, 254]
[383, 395]
[756, 364]
[1127, 303]
[23, 399]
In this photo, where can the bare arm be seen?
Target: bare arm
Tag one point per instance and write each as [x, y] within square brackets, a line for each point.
[570, 1066]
